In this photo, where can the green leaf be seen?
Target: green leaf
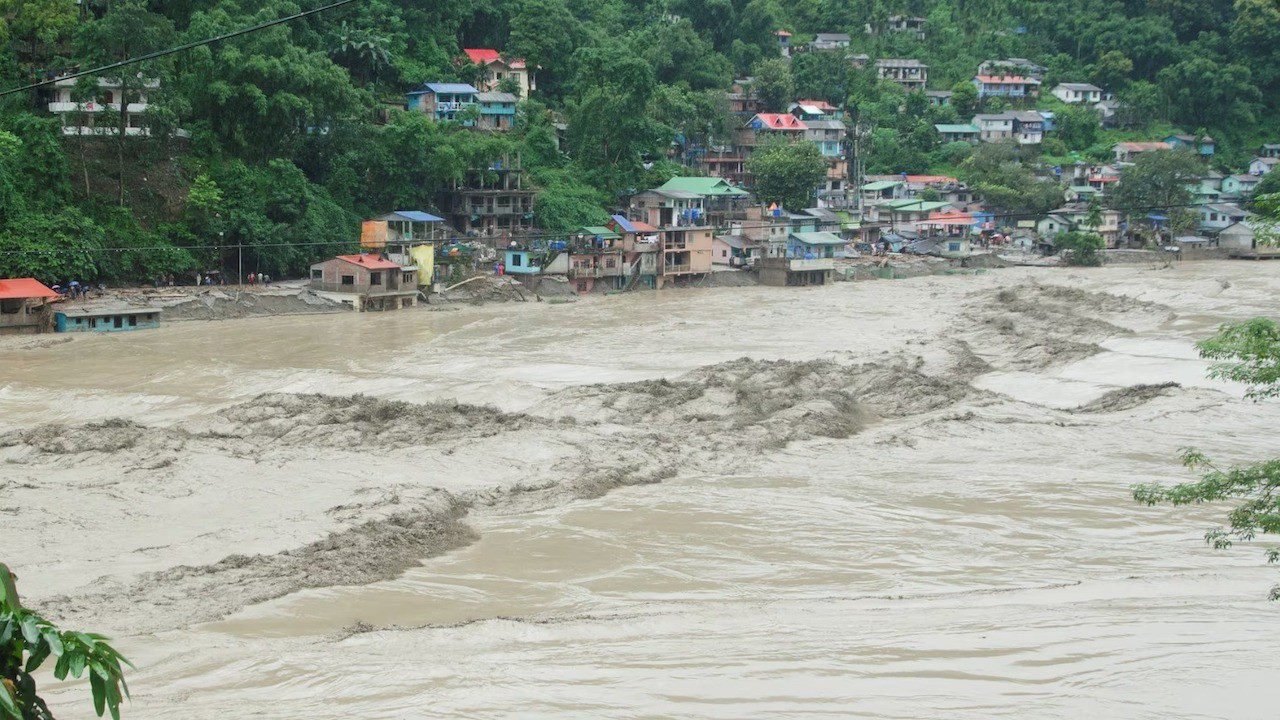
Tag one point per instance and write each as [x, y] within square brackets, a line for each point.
[7, 703]
[62, 666]
[6, 631]
[77, 664]
[113, 700]
[55, 642]
[37, 656]
[29, 629]
[99, 694]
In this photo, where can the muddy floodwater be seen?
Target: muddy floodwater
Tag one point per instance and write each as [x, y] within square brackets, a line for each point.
[885, 499]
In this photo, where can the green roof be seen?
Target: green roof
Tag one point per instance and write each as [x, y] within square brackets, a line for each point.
[882, 185]
[1084, 189]
[603, 232]
[972, 129]
[818, 238]
[915, 205]
[702, 186]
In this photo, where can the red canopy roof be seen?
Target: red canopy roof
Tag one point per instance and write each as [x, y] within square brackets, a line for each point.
[781, 121]
[373, 262]
[22, 288]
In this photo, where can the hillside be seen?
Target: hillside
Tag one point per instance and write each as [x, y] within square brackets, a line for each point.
[290, 136]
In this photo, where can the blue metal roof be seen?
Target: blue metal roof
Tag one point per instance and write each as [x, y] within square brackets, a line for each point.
[624, 223]
[414, 216]
[449, 88]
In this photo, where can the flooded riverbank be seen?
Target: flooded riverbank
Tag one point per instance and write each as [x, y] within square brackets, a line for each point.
[885, 499]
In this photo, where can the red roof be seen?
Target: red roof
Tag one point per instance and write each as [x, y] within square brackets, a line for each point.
[643, 226]
[781, 121]
[20, 288]
[482, 56]
[373, 262]
[1006, 80]
[486, 56]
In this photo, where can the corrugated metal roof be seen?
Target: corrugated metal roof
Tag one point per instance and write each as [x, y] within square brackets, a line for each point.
[819, 238]
[881, 185]
[496, 97]
[603, 232]
[702, 186]
[945, 128]
[449, 88]
[482, 56]
[19, 288]
[411, 216]
[373, 262]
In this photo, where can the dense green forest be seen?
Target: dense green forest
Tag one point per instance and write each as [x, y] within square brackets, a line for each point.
[294, 138]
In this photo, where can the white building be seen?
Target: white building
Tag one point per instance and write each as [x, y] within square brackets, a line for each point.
[1077, 93]
[1263, 165]
[85, 118]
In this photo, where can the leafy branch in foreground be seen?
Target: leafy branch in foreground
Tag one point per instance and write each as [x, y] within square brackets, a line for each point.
[1253, 351]
[28, 640]
[1251, 355]
[1257, 484]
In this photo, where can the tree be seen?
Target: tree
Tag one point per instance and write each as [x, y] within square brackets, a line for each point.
[774, 84]
[1112, 71]
[27, 640]
[1080, 248]
[1247, 353]
[964, 98]
[610, 132]
[787, 173]
[1156, 183]
[544, 33]
[1140, 104]
[1204, 93]
[1077, 126]
[820, 76]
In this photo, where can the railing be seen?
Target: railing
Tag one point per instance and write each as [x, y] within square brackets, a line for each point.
[677, 269]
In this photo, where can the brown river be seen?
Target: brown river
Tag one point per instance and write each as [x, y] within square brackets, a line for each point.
[886, 499]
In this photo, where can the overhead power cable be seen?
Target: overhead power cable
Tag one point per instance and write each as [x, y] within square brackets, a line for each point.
[181, 48]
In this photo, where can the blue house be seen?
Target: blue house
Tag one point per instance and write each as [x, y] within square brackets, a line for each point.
[1203, 145]
[106, 320]
[520, 262]
[443, 101]
[810, 245]
[497, 110]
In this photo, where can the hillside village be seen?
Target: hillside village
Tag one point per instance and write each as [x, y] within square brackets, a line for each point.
[1014, 158]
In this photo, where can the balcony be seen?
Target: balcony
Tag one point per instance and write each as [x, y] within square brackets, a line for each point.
[59, 108]
[678, 269]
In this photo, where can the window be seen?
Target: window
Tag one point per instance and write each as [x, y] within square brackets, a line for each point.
[317, 274]
[407, 278]
[348, 279]
[375, 278]
[516, 260]
[117, 322]
[79, 321]
[953, 247]
[133, 321]
[10, 306]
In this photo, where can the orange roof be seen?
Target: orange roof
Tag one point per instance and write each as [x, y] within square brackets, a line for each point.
[1104, 178]
[19, 288]
[948, 218]
[373, 262]
[782, 121]
[643, 226]
[1144, 146]
[1006, 80]
[782, 33]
